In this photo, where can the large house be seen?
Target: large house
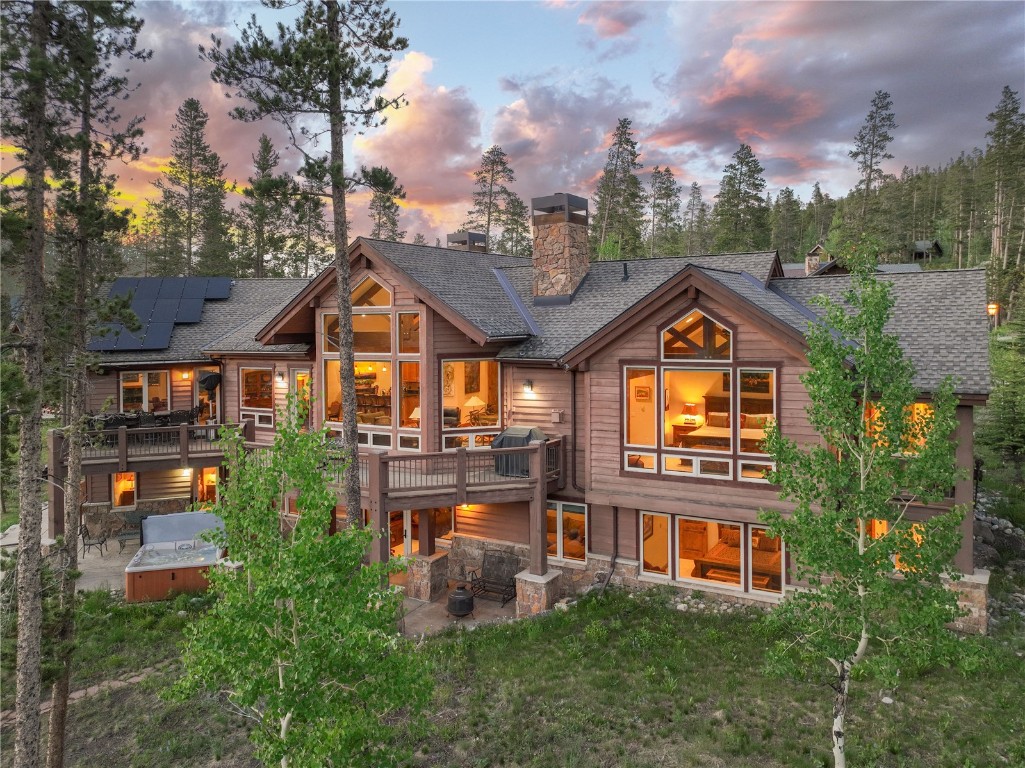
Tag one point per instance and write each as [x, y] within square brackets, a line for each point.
[651, 381]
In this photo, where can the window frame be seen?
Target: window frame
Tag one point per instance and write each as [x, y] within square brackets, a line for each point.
[262, 417]
[475, 436]
[687, 361]
[560, 508]
[144, 380]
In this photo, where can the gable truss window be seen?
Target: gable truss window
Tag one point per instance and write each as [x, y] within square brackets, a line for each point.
[696, 337]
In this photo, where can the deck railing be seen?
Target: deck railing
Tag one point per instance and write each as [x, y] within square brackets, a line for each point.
[150, 442]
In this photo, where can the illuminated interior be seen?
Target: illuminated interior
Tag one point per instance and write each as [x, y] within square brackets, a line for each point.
[124, 489]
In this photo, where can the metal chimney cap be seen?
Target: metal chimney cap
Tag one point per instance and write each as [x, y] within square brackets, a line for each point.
[560, 201]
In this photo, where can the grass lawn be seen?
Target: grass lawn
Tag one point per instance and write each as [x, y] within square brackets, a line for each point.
[618, 681]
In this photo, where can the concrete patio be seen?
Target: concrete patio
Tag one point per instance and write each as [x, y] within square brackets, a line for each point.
[106, 570]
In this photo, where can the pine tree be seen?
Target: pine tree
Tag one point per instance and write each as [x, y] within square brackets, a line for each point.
[384, 212]
[266, 213]
[419, 239]
[514, 219]
[740, 214]
[619, 204]
[1005, 169]
[332, 63]
[309, 245]
[491, 194]
[818, 215]
[665, 213]
[87, 229]
[870, 150]
[697, 238]
[192, 196]
[786, 224]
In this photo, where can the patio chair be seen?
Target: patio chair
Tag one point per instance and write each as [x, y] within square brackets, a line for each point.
[496, 577]
[176, 418]
[93, 535]
[130, 528]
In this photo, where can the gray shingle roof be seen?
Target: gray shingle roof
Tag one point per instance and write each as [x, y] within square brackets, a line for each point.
[939, 316]
[230, 324]
[463, 280]
[603, 296]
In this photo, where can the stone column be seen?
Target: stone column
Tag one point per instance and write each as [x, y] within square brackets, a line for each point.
[428, 576]
[972, 592]
[536, 594]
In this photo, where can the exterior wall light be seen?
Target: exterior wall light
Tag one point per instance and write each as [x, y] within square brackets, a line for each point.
[992, 308]
[186, 375]
[281, 377]
[528, 387]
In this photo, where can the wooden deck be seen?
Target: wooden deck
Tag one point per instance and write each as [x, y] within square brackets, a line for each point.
[402, 479]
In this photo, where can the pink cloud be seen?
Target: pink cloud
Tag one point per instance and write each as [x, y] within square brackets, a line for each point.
[612, 19]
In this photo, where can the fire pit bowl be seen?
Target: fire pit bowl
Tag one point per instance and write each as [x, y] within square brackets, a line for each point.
[460, 602]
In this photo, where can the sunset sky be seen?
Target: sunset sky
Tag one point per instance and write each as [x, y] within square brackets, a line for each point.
[548, 81]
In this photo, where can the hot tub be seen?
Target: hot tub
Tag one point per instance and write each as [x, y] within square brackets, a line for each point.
[165, 568]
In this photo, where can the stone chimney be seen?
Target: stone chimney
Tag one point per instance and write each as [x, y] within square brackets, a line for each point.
[560, 246]
[812, 260]
[467, 241]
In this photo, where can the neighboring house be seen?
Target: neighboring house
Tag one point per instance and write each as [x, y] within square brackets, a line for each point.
[926, 249]
[652, 379]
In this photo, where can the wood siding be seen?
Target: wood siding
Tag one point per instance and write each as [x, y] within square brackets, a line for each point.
[503, 522]
[166, 484]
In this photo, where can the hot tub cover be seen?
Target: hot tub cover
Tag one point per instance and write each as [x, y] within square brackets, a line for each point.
[168, 555]
[179, 526]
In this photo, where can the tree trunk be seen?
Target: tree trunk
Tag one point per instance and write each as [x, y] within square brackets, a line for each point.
[840, 714]
[30, 607]
[346, 357]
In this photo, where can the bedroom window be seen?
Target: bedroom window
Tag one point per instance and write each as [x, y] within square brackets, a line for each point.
[567, 530]
[124, 489]
[757, 407]
[696, 337]
[699, 410]
[641, 406]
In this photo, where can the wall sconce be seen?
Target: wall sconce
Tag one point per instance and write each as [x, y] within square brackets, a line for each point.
[528, 387]
[186, 375]
[187, 471]
[281, 377]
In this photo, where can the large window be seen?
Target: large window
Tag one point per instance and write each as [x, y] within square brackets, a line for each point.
[145, 391]
[724, 554]
[256, 395]
[697, 412]
[470, 402]
[387, 386]
[567, 530]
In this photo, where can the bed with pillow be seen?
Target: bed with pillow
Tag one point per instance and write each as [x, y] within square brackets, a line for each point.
[725, 555]
[714, 434]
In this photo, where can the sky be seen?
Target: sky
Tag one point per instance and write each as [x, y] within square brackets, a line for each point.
[548, 81]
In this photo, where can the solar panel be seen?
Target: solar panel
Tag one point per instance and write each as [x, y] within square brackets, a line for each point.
[123, 285]
[190, 311]
[143, 307]
[195, 288]
[128, 340]
[171, 288]
[218, 288]
[158, 336]
[104, 343]
[164, 310]
[149, 287]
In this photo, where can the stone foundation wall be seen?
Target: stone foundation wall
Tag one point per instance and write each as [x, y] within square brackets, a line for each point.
[536, 594]
[102, 513]
[467, 553]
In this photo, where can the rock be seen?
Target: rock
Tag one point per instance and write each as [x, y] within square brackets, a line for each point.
[986, 555]
[983, 532]
[886, 700]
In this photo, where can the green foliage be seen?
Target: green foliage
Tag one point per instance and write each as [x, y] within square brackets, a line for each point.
[665, 232]
[384, 212]
[741, 216]
[303, 639]
[870, 150]
[618, 200]
[873, 463]
[1002, 427]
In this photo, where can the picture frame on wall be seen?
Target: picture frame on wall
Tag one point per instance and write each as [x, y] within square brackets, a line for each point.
[642, 394]
[472, 374]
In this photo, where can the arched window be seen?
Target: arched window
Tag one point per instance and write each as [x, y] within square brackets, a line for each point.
[696, 337]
